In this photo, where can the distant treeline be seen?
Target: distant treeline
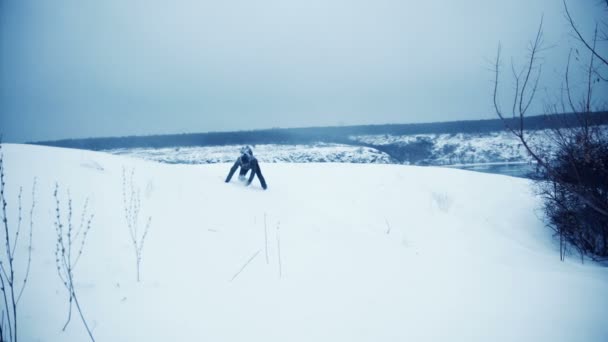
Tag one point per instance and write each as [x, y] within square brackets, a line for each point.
[337, 134]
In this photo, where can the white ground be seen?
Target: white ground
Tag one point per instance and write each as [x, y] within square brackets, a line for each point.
[466, 257]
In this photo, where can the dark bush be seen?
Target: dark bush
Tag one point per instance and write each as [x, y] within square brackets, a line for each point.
[578, 183]
[416, 152]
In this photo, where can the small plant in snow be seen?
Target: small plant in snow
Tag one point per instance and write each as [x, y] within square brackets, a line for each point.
[132, 205]
[12, 286]
[279, 250]
[68, 250]
[442, 201]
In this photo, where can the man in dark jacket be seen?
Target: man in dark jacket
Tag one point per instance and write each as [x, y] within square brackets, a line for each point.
[247, 162]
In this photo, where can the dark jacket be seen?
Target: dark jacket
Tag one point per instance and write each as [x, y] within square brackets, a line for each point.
[247, 162]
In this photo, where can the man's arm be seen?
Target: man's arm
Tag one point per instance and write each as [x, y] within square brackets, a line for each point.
[232, 170]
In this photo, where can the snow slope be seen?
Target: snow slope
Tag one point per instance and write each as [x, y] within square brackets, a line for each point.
[351, 252]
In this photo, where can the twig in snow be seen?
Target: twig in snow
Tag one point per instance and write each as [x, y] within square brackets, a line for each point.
[29, 248]
[66, 262]
[132, 205]
[11, 293]
[245, 265]
[266, 239]
[279, 249]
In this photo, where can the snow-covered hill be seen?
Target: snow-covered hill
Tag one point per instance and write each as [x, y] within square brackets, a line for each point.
[330, 252]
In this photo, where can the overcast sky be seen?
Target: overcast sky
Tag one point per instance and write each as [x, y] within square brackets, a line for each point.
[79, 68]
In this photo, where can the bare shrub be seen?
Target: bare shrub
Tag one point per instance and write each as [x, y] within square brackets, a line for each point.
[68, 250]
[12, 285]
[573, 173]
[132, 206]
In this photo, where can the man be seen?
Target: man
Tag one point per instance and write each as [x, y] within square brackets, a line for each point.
[247, 162]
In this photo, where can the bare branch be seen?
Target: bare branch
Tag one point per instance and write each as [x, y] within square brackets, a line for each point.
[66, 241]
[533, 50]
[495, 94]
[279, 250]
[533, 90]
[580, 36]
[245, 265]
[516, 76]
[29, 257]
[525, 99]
[19, 220]
[590, 75]
[11, 293]
[132, 206]
[568, 90]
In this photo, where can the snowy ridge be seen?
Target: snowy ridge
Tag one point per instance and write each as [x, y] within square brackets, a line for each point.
[451, 149]
[330, 252]
[420, 149]
[318, 153]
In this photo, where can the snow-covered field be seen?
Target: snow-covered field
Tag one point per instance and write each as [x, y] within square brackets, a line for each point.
[330, 252]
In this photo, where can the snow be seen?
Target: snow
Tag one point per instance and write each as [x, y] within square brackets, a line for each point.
[367, 252]
[444, 149]
[453, 150]
[461, 148]
[269, 153]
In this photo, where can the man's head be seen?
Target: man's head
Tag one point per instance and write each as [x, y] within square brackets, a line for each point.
[246, 150]
[246, 155]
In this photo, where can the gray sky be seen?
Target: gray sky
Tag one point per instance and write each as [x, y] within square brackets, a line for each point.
[78, 68]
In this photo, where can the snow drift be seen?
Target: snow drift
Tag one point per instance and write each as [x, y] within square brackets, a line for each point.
[330, 252]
